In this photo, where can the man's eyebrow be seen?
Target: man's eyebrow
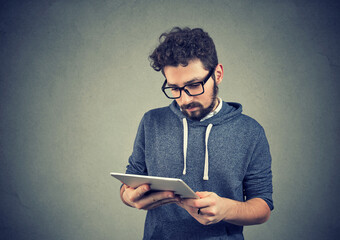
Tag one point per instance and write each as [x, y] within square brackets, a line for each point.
[186, 83]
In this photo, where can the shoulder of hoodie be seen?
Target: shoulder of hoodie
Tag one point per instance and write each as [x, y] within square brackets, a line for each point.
[248, 126]
[157, 113]
[245, 120]
[250, 123]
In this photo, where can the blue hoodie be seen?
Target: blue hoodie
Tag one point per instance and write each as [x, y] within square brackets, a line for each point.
[227, 154]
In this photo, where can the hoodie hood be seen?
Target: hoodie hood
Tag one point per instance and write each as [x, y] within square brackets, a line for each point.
[228, 112]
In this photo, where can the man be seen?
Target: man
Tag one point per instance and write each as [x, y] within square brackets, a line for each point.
[219, 152]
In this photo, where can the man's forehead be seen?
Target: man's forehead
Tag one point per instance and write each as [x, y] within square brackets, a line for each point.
[179, 75]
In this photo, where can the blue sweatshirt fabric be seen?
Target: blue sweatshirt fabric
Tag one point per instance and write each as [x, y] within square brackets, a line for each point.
[234, 153]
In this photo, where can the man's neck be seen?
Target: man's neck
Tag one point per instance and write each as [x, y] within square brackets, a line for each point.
[216, 109]
[216, 104]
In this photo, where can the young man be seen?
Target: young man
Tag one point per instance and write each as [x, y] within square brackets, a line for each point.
[218, 151]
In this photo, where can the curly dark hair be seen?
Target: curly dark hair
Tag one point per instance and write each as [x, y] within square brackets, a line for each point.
[179, 46]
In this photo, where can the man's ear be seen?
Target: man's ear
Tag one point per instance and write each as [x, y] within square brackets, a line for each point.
[219, 73]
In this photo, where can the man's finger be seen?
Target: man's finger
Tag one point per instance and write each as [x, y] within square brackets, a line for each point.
[139, 192]
[197, 203]
[154, 198]
[192, 210]
[161, 202]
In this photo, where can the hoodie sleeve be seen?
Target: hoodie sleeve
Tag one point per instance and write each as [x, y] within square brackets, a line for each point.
[258, 179]
[137, 159]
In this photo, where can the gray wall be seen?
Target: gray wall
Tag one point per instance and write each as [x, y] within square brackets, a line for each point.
[75, 82]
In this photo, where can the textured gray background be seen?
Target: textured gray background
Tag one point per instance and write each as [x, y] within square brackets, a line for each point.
[75, 82]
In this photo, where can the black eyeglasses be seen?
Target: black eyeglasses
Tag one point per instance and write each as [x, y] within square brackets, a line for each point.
[192, 89]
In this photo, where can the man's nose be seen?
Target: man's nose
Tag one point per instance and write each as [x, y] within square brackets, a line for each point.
[185, 98]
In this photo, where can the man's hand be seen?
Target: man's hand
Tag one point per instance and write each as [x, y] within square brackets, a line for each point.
[141, 198]
[211, 208]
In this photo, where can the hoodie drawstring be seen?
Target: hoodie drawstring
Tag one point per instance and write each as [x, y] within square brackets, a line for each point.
[206, 162]
[185, 147]
[185, 144]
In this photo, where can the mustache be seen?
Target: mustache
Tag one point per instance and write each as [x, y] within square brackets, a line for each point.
[191, 105]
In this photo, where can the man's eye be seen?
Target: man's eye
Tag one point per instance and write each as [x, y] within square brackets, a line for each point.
[193, 86]
[174, 89]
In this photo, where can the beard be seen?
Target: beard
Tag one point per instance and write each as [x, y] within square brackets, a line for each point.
[201, 112]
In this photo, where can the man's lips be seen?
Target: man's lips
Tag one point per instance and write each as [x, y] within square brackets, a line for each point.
[192, 109]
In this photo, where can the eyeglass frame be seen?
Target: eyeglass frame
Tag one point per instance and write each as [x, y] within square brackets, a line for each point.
[185, 90]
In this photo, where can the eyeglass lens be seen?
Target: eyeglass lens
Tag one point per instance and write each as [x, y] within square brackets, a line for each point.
[191, 90]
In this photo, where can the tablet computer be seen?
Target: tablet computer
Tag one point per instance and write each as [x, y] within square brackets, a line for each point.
[176, 185]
